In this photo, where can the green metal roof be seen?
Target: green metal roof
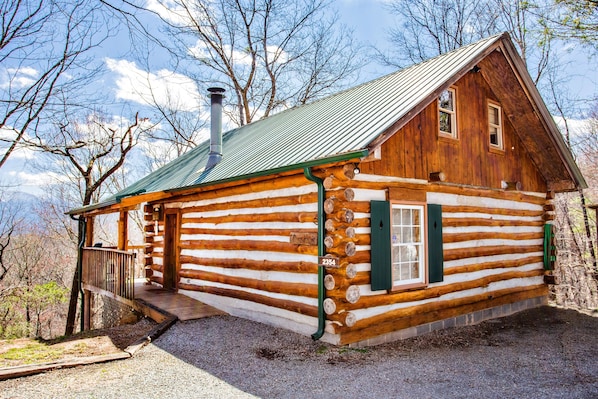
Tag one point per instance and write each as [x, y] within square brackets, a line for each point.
[341, 126]
[343, 123]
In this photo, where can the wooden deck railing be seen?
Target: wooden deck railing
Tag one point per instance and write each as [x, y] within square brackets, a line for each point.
[109, 271]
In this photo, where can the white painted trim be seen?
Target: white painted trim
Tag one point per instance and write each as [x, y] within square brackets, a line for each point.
[282, 192]
[484, 259]
[213, 237]
[250, 225]
[364, 194]
[491, 243]
[363, 267]
[294, 298]
[259, 275]
[492, 229]
[482, 202]
[311, 207]
[465, 215]
[301, 324]
[462, 277]
[251, 255]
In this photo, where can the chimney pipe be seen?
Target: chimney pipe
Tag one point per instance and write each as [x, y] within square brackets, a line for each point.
[216, 96]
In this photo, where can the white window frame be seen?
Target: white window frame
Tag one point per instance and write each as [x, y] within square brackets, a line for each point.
[417, 244]
[495, 127]
[451, 112]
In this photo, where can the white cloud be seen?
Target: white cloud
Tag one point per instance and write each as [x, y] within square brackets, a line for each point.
[164, 88]
[577, 127]
[169, 10]
[18, 78]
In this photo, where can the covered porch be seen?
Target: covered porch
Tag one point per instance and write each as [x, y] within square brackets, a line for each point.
[111, 272]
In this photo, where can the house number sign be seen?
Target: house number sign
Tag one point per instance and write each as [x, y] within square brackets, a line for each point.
[329, 261]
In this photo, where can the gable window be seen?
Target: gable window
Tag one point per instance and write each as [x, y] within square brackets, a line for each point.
[495, 126]
[407, 241]
[447, 114]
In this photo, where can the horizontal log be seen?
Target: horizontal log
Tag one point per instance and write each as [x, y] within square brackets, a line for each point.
[279, 287]
[347, 319]
[460, 237]
[344, 216]
[256, 203]
[157, 268]
[157, 280]
[504, 264]
[490, 211]
[340, 281]
[345, 272]
[349, 295]
[250, 245]
[335, 225]
[292, 306]
[437, 176]
[343, 173]
[359, 257]
[485, 192]
[465, 222]
[350, 232]
[436, 292]
[329, 306]
[262, 217]
[333, 205]
[344, 249]
[292, 179]
[245, 232]
[261, 265]
[336, 240]
[463, 253]
[370, 185]
[369, 329]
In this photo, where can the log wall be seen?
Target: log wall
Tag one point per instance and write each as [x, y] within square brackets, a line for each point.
[492, 243]
[250, 250]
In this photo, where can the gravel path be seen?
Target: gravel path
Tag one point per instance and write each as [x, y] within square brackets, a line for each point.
[540, 353]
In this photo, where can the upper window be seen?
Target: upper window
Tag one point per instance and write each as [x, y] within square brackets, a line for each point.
[407, 240]
[447, 114]
[495, 126]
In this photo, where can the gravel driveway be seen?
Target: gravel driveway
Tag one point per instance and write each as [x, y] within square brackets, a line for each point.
[540, 353]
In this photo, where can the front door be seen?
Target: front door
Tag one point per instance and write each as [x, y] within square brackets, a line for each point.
[170, 269]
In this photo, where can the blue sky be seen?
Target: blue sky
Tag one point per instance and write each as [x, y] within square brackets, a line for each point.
[369, 19]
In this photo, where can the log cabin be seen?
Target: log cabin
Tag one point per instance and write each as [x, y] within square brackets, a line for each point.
[418, 201]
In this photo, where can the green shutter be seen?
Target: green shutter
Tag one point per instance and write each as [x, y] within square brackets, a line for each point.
[435, 253]
[549, 247]
[381, 251]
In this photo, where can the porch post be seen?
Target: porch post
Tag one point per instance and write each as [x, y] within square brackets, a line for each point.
[86, 310]
[123, 234]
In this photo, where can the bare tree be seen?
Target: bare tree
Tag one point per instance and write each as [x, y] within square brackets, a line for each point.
[573, 19]
[11, 217]
[427, 28]
[89, 152]
[43, 44]
[270, 54]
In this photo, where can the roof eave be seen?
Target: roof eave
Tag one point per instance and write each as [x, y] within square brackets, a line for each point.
[116, 204]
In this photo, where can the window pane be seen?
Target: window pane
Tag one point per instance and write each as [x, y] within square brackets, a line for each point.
[493, 115]
[414, 270]
[445, 122]
[445, 100]
[493, 135]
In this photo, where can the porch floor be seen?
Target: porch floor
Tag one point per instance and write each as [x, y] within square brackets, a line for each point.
[182, 306]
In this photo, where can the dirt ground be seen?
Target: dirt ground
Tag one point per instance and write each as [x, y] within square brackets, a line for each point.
[536, 354]
[86, 344]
